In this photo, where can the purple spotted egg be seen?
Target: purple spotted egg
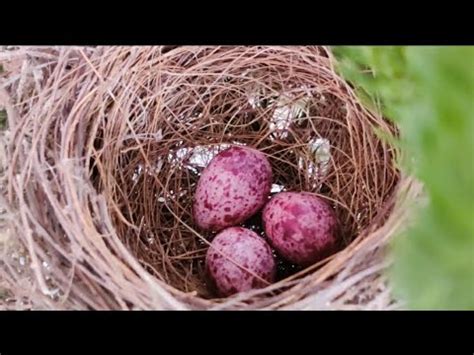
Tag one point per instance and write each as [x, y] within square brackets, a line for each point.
[232, 188]
[301, 227]
[239, 260]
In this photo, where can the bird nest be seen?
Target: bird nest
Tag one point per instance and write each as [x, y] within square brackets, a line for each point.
[105, 147]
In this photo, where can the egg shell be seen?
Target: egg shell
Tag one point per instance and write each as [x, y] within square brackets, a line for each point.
[233, 253]
[233, 187]
[301, 227]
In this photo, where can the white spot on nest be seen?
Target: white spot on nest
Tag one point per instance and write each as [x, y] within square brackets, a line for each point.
[277, 188]
[254, 95]
[51, 293]
[137, 172]
[318, 167]
[179, 154]
[286, 112]
[234, 142]
[46, 265]
[320, 147]
[201, 155]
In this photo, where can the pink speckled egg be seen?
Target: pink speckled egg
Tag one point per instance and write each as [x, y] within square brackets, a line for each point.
[301, 227]
[239, 260]
[233, 187]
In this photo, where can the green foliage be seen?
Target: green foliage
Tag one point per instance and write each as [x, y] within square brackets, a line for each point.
[429, 92]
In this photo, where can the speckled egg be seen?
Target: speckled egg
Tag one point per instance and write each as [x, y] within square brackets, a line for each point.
[239, 260]
[233, 187]
[301, 227]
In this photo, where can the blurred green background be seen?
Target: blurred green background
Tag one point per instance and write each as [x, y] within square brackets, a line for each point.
[429, 93]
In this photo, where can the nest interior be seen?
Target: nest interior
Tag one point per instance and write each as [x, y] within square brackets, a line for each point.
[114, 140]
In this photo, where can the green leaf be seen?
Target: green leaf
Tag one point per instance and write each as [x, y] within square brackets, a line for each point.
[429, 93]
